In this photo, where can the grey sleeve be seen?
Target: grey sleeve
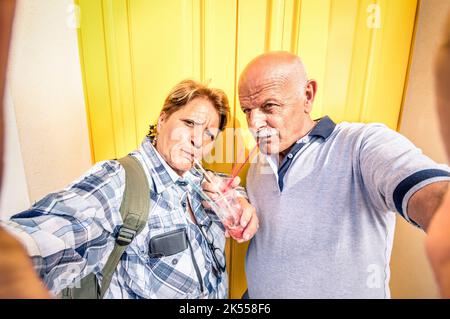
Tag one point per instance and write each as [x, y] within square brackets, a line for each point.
[393, 169]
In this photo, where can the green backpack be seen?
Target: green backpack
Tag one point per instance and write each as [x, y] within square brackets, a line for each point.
[134, 210]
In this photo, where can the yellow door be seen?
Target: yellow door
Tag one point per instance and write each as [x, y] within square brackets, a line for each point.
[132, 52]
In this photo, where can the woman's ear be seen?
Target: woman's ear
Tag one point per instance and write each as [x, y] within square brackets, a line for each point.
[161, 120]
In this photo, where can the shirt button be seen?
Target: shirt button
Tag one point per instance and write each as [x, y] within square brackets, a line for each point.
[290, 156]
[181, 183]
[183, 204]
[174, 261]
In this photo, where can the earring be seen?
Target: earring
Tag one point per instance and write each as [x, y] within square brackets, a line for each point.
[152, 134]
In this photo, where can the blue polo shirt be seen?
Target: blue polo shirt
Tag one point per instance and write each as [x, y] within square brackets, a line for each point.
[327, 211]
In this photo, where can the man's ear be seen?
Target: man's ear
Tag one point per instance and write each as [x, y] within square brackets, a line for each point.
[310, 94]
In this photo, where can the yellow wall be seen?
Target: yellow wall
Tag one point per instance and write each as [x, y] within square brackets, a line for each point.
[132, 52]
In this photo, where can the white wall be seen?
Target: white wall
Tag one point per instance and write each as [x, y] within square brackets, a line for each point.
[14, 195]
[46, 93]
[411, 273]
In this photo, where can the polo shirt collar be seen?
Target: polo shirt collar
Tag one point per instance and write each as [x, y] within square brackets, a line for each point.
[324, 127]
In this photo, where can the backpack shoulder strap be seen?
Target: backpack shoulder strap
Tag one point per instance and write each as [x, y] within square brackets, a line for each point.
[134, 210]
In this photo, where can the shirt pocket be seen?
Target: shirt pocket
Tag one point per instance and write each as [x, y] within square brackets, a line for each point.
[172, 276]
[165, 212]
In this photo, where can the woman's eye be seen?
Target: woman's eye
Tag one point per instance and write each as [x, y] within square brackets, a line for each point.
[209, 136]
[189, 123]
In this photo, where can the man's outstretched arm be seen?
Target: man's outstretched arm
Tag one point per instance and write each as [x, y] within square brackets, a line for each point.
[438, 239]
[438, 246]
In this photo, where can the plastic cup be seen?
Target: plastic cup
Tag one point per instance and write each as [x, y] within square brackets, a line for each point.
[225, 179]
[230, 211]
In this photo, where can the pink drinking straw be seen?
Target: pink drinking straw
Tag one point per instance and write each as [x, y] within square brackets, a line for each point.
[238, 170]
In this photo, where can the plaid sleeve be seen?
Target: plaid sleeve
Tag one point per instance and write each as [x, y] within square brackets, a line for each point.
[70, 233]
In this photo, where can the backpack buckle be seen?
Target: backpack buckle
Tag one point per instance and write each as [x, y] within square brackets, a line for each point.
[125, 236]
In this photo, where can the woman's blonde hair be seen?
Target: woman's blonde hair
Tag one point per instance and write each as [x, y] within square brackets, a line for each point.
[187, 90]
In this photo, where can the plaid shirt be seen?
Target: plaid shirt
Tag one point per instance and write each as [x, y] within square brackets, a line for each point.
[71, 233]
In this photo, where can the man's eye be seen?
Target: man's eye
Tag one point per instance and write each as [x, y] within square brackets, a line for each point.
[246, 111]
[268, 106]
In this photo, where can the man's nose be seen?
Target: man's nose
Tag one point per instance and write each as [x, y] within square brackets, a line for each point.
[257, 119]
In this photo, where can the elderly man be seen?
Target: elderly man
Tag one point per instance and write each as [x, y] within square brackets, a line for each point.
[438, 240]
[325, 193]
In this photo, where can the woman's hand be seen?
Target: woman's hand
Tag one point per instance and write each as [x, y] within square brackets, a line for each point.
[213, 183]
[249, 222]
[17, 276]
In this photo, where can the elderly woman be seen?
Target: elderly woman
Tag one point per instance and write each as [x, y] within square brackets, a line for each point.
[71, 234]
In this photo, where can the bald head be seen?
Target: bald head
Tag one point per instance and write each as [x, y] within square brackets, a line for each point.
[280, 65]
[277, 97]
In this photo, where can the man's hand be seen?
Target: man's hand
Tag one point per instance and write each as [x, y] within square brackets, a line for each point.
[442, 83]
[438, 246]
[17, 276]
[438, 239]
[249, 220]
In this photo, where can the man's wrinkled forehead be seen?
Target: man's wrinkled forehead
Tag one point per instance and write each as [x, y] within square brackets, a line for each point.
[257, 84]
